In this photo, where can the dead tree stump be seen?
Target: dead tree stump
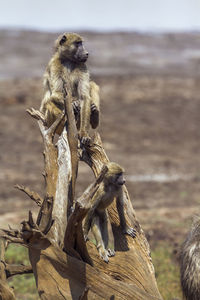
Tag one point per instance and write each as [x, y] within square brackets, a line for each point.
[64, 266]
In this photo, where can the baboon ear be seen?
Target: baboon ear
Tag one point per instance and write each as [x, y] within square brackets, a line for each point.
[63, 39]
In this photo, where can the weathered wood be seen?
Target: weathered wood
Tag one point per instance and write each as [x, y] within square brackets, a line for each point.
[33, 195]
[12, 270]
[72, 134]
[60, 276]
[60, 206]
[36, 114]
[12, 235]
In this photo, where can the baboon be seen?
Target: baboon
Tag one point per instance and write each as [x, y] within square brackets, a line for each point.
[190, 263]
[97, 217]
[68, 65]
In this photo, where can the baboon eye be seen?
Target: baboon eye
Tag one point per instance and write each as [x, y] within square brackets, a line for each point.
[78, 43]
[63, 40]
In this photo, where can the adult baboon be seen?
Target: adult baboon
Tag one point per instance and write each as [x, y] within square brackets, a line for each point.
[68, 65]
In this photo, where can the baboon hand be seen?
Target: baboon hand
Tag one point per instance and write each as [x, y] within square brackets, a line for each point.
[94, 108]
[85, 140]
[130, 231]
[76, 107]
[94, 116]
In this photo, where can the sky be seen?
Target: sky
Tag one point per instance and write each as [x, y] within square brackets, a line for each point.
[101, 15]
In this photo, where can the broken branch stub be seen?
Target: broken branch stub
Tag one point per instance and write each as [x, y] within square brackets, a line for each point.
[32, 195]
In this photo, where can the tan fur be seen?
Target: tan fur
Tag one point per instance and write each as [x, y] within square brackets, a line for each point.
[65, 67]
[97, 217]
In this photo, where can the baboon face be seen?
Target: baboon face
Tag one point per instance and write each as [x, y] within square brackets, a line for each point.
[119, 179]
[115, 174]
[70, 46]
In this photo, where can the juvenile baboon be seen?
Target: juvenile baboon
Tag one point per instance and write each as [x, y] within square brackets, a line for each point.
[68, 65]
[97, 217]
[190, 263]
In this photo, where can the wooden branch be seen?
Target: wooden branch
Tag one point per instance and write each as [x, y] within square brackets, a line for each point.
[12, 235]
[52, 215]
[12, 270]
[60, 207]
[73, 142]
[36, 114]
[51, 168]
[94, 154]
[51, 173]
[44, 219]
[12, 239]
[33, 195]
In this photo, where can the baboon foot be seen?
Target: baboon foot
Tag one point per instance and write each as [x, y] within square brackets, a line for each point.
[111, 252]
[104, 255]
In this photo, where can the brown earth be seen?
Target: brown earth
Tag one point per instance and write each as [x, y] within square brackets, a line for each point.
[150, 124]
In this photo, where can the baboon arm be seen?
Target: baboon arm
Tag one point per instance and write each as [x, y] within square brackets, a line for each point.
[56, 83]
[94, 94]
[120, 208]
[84, 95]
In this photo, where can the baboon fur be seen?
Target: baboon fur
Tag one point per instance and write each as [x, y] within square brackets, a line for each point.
[190, 263]
[97, 217]
[68, 65]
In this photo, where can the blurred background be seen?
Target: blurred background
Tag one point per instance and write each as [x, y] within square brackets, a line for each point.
[145, 56]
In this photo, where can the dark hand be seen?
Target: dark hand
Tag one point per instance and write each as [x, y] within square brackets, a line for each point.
[76, 107]
[130, 231]
[94, 108]
[85, 140]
